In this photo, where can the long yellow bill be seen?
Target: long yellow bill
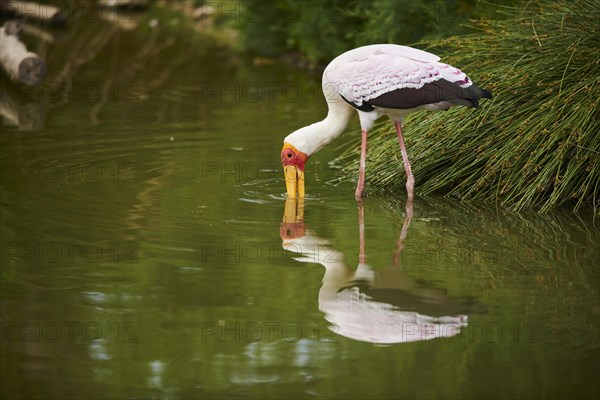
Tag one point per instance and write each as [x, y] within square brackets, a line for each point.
[294, 181]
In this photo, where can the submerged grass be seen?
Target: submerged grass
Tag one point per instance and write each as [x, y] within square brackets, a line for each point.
[536, 145]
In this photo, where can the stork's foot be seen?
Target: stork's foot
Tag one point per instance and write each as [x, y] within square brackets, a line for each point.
[410, 183]
[359, 195]
[410, 186]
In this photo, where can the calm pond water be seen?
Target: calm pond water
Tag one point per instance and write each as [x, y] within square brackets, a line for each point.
[148, 252]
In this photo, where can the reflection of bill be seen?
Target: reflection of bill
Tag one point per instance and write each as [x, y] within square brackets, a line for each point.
[384, 306]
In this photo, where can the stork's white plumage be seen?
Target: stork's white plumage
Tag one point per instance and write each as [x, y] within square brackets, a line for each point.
[377, 80]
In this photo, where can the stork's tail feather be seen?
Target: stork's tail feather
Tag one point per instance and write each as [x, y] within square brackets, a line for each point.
[476, 93]
[486, 94]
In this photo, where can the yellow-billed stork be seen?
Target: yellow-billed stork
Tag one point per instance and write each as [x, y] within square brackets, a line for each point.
[376, 80]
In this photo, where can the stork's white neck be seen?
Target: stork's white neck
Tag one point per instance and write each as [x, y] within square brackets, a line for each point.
[314, 249]
[312, 137]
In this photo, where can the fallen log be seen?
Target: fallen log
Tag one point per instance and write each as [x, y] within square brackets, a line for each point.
[22, 66]
[29, 9]
[39, 32]
[126, 20]
[131, 4]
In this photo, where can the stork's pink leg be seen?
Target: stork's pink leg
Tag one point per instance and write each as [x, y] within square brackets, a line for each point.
[363, 163]
[410, 179]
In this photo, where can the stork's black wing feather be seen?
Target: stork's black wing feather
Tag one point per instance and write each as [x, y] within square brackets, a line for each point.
[430, 93]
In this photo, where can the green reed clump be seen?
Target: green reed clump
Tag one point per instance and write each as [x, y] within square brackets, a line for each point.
[536, 144]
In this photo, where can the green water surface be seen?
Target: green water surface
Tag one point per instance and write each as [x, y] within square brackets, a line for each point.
[143, 251]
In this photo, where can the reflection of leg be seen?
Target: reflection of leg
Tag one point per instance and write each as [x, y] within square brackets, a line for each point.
[404, 232]
[410, 179]
[363, 162]
[361, 233]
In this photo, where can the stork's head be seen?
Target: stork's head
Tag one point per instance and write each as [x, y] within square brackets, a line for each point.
[293, 161]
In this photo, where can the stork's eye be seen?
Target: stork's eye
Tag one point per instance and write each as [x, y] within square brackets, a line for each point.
[289, 155]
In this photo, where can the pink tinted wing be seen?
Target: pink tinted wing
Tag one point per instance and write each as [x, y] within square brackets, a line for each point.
[365, 79]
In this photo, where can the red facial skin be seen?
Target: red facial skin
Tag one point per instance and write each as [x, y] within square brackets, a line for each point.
[291, 156]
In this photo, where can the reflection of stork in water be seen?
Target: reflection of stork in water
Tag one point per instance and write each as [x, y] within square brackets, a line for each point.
[384, 306]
